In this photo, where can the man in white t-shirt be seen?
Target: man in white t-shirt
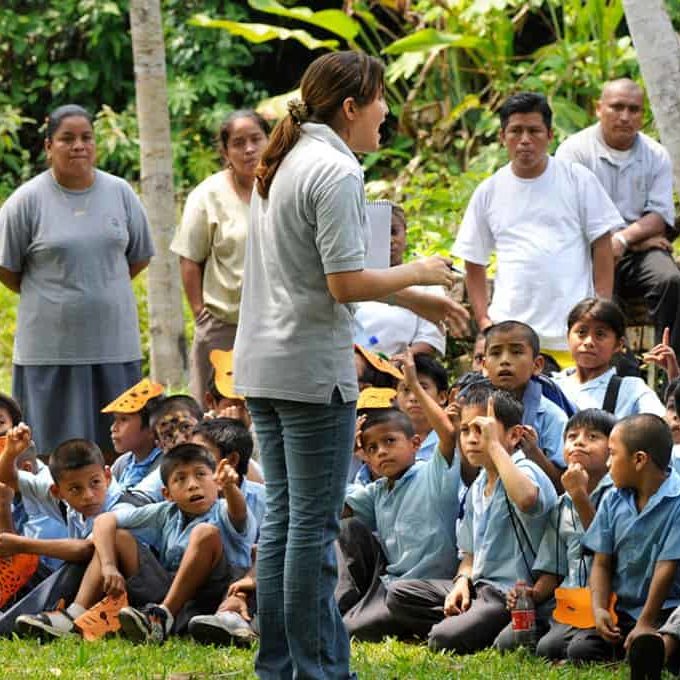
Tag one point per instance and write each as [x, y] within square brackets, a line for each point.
[548, 222]
[637, 173]
[390, 329]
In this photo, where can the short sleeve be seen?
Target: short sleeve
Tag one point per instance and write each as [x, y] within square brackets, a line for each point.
[194, 235]
[140, 244]
[475, 242]
[649, 402]
[551, 421]
[600, 537]
[16, 230]
[340, 225]
[551, 557]
[146, 521]
[37, 489]
[546, 490]
[466, 529]
[660, 191]
[597, 211]
[361, 500]
[570, 151]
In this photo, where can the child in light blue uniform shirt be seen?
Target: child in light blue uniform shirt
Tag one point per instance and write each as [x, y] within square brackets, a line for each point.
[561, 560]
[506, 511]
[511, 357]
[635, 539]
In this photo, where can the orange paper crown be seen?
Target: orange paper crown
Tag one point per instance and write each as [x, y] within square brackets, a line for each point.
[379, 363]
[223, 363]
[376, 397]
[136, 398]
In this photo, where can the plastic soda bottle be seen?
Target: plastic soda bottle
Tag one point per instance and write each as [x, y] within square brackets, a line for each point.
[524, 617]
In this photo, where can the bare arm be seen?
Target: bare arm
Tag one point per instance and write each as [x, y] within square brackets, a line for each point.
[104, 538]
[651, 224]
[520, 489]
[603, 266]
[237, 508]
[10, 279]
[18, 440]
[662, 580]
[192, 280]
[534, 453]
[138, 267]
[67, 549]
[475, 282]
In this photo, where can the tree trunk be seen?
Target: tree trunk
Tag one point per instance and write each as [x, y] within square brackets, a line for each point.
[658, 51]
[166, 323]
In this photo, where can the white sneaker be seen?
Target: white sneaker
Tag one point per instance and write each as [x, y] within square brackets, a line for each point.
[223, 628]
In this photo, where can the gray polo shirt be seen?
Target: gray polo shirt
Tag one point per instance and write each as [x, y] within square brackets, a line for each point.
[294, 341]
[640, 184]
[74, 250]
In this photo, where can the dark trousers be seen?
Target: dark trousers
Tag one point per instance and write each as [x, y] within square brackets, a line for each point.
[654, 275]
[420, 605]
[360, 592]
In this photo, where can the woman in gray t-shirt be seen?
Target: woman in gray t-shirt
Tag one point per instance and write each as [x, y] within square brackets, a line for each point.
[293, 353]
[71, 240]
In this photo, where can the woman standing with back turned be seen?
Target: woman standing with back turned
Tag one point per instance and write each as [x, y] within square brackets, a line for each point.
[294, 356]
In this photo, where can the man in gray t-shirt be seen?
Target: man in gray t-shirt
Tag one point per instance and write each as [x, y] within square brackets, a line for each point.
[637, 174]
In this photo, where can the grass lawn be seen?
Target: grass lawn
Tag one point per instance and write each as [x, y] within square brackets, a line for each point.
[184, 660]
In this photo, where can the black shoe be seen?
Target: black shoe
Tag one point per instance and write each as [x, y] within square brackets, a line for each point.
[646, 657]
[148, 624]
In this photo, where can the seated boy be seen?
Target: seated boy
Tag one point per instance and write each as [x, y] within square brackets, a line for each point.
[505, 515]
[511, 357]
[223, 401]
[635, 539]
[411, 509]
[133, 438]
[433, 380]
[191, 532]
[561, 560]
[173, 422]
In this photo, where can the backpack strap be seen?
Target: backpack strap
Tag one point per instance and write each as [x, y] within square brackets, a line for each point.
[611, 396]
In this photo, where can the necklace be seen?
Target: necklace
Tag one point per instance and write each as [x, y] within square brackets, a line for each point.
[76, 211]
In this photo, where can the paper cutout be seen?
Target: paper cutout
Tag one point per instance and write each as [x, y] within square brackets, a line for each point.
[136, 398]
[575, 607]
[102, 618]
[223, 363]
[376, 397]
[379, 363]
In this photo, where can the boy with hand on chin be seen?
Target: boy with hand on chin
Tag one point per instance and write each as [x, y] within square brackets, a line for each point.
[636, 541]
[505, 516]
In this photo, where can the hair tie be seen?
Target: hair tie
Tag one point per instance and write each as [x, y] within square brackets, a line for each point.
[298, 110]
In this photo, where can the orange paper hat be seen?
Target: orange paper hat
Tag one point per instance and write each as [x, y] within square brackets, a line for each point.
[379, 363]
[376, 397]
[223, 363]
[136, 398]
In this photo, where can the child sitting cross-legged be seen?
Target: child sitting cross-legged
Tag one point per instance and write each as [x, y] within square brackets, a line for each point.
[403, 524]
[561, 560]
[636, 541]
[511, 358]
[202, 543]
[132, 436]
[506, 511]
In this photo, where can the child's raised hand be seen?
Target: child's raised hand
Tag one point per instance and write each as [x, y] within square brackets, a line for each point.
[408, 367]
[663, 356]
[529, 440]
[454, 407]
[18, 440]
[575, 480]
[225, 475]
[358, 445]
[488, 426]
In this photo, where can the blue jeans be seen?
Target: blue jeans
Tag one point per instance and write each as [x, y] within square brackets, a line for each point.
[305, 453]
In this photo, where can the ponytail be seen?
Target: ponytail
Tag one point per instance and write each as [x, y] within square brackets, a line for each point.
[325, 85]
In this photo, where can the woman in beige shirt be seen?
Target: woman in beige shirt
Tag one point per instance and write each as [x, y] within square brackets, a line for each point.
[211, 241]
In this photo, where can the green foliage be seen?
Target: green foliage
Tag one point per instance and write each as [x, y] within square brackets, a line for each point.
[13, 158]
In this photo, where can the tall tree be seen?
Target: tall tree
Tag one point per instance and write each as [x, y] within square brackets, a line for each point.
[166, 325]
[658, 51]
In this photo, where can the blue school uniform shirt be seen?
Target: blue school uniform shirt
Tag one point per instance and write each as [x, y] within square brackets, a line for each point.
[637, 541]
[81, 527]
[501, 555]
[150, 489]
[635, 396]
[45, 518]
[561, 552]
[129, 471]
[164, 527]
[427, 447]
[256, 499]
[548, 419]
[363, 475]
[415, 519]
